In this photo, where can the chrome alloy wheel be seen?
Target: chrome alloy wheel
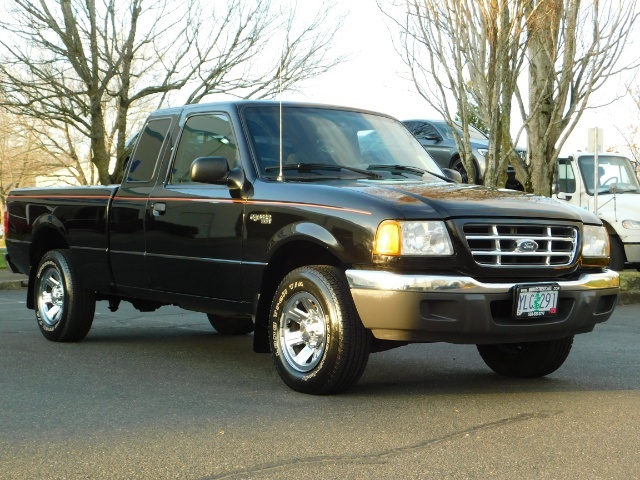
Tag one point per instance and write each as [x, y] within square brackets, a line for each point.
[51, 296]
[303, 332]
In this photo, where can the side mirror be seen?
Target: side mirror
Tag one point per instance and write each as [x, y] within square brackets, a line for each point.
[452, 175]
[434, 137]
[213, 170]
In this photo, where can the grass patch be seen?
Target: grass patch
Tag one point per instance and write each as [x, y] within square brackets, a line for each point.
[2, 262]
[630, 280]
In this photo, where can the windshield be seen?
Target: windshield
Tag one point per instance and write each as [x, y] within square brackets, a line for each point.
[341, 140]
[615, 175]
[474, 133]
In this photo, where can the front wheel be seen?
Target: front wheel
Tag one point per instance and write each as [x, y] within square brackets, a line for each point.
[527, 359]
[458, 166]
[616, 261]
[318, 343]
[64, 308]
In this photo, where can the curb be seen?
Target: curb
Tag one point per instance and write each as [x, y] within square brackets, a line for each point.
[13, 284]
[629, 298]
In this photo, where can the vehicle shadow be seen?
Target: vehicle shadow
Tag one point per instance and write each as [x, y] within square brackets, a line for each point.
[195, 349]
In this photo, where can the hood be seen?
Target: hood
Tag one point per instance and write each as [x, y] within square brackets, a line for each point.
[423, 200]
[625, 204]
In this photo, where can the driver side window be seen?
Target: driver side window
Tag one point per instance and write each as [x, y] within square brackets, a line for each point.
[208, 135]
[425, 131]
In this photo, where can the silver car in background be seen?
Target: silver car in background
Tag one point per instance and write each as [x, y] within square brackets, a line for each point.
[437, 138]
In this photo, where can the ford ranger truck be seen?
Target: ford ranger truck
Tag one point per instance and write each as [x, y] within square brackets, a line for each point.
[329, 232]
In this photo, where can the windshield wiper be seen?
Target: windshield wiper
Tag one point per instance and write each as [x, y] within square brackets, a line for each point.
[308, 167]
[410, 169]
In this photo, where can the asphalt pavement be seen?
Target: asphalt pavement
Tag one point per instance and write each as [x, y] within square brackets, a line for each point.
[161, 395]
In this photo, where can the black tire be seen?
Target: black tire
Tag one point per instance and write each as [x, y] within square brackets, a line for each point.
[526, 360]
[230, 326]
[64, 309]
[616, 261]
[458, 166]
[318, 343]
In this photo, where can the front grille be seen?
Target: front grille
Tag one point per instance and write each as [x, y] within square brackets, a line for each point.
[521, 245]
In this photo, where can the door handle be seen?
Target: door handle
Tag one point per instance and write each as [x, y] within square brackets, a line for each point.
[159, 209]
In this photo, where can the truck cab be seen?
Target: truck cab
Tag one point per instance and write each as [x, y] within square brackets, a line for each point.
[615, 198]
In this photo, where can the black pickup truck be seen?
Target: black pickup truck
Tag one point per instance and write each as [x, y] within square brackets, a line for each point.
[327, 231]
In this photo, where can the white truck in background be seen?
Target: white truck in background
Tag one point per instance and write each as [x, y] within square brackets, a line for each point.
[617, 199]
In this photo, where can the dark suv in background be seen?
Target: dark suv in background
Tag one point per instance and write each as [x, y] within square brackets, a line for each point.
[437, 138]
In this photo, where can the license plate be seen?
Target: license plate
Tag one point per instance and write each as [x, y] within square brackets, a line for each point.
[536, 300]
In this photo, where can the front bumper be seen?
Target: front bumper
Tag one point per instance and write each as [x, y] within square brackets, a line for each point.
[460, 309]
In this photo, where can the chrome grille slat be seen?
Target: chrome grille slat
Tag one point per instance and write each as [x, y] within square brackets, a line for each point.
[495, 244]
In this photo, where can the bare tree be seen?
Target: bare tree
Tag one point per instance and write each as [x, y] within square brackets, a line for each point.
[631, 135]
[19, 164]
[29, 150]
[573, 49]
[464, 57]
[86, 67]
[477, 50]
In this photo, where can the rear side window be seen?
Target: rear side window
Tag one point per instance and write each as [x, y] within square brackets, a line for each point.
[145, 156]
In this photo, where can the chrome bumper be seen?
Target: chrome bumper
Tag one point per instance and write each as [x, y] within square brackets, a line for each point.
[460, 309]
[388, 281]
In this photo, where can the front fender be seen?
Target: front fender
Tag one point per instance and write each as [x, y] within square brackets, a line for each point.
[305, 231]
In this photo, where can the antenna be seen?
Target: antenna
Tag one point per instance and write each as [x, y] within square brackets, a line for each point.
[280, 175]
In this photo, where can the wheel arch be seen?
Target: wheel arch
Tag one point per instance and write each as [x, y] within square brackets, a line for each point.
[288, 255]
[46, 237]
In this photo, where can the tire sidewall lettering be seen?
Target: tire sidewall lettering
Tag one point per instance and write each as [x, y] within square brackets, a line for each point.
[45, 264]
[282, 295]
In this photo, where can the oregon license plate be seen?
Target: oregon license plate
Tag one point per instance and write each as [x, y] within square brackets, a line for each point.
[539, 300]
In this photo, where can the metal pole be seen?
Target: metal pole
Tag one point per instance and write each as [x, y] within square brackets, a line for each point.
[595, 175]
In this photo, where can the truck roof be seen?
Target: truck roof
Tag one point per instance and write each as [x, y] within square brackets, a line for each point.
[591, 154]
[236, 104]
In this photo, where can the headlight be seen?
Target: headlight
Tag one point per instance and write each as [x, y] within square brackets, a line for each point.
[482, 151]
[631, 224]
[412, 238]
[595, 242]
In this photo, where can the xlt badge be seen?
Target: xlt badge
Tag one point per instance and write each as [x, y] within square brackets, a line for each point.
[263, 218]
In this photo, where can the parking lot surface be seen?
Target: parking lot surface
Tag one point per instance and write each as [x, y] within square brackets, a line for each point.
[161, 395]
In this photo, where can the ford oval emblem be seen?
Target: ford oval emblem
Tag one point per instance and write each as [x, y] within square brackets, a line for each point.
[526, 245]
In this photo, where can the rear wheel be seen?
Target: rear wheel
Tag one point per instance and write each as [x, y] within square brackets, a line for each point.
[528, 359]
[64, 308]
[318, 342]
[231, 326]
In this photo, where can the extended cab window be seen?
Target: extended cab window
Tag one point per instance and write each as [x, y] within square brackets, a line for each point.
[148, 149]
[207, 135]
